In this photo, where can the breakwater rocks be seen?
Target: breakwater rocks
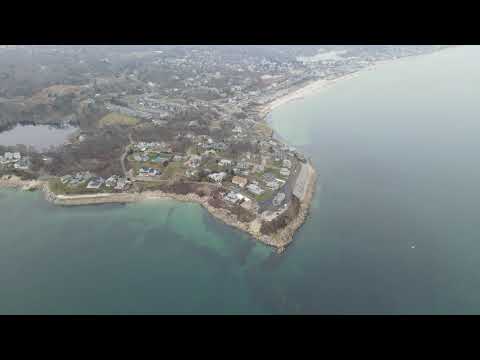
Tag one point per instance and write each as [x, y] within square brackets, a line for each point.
[14, 182]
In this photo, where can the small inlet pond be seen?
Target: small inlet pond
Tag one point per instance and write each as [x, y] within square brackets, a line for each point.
[41, 137]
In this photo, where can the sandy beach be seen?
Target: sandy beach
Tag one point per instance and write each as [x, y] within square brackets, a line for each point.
[310, 88]
[315, 86]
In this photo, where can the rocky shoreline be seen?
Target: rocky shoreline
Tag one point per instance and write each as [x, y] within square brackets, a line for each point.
[14, 182]
[279, 240]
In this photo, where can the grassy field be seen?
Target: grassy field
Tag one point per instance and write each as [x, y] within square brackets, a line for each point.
[117, 119]
[57, 187]
[276, 172]
[259, 176]
[137, 165]
[263, 129]
[174, 169]
[265, 196]
[150, 186]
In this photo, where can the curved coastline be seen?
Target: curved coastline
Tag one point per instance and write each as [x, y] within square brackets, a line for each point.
[280, 239]
[314, 86]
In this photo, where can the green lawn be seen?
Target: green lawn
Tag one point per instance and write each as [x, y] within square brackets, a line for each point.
[263, 129]
[117, 119]
[57, 187]
[276, 172]
[174, 168]
[265, 196]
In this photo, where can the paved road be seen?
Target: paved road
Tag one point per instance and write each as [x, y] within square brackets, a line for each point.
[122, 162]
[287, 188]
[124, 155]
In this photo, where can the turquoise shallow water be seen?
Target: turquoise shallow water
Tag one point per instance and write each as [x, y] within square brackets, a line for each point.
[151, 257]
[393, 226]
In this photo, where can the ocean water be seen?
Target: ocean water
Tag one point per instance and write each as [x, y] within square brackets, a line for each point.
[393, 228]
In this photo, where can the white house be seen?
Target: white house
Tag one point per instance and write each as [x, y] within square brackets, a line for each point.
[225, 162]
[284, 172]
[217, 177]
[255, 189]
[287, 163]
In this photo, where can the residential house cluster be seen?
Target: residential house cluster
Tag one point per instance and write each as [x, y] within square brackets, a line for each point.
[255, 189]
[235, 197]
[208, 143]
[16, 159]
[150, 146]
[117, 182]
[141, 157]
[95, 183]
[272, 182]
[77, 179]
[239, 181]
[148, 172]
[194, 161]
[217, 177]
[237, 129]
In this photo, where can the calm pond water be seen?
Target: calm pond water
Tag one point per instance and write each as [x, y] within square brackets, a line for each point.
[41, 137]
[393, 229]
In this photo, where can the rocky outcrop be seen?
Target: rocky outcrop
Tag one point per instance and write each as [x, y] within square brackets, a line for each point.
[12, 181]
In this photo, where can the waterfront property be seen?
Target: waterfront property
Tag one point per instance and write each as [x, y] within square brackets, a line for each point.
[96, 183]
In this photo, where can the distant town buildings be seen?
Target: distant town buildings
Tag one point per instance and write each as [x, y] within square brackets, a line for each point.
[77, 179]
